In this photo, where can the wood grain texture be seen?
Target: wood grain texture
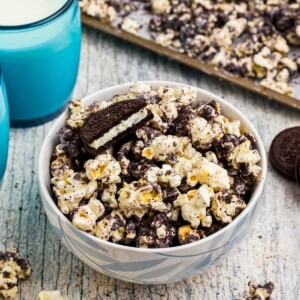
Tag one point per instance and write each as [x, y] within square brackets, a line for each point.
[270, 252]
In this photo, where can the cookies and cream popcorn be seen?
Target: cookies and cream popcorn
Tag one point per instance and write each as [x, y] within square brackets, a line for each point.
[178, 176]
[13, 269]
[188, 234]
[164, 148]
[136, 198]
[160, 6]
[104, 168]
[111, 227]
[259, 292]
[204, 133]
[99, 9]
[70, 188]
[194, 206]
[85, 216]
[225, 206]
[59, 159]
[211, 174]
[164, 175]
[244, 155]
[77, 113]
[130, 26]
[109, 195]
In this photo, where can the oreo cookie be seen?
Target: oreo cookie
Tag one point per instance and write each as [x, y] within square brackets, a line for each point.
[285, 151]
[104, 128]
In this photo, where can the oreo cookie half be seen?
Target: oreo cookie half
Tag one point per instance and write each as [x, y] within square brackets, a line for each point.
[104, 128]
[285, 151]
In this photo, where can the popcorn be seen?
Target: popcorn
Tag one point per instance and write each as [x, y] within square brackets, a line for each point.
[12, 270]
[185, 95]
[98, 8]
[164, 148]
[203, 133]
[225, 207]
[164, 175]
[109, 195]
[59, 160]
[85, 216]
[211, 174]
[260, 292]
[160, 6]
[130, 26]
[111, 227]
[230, 127]
[244, 155]
[78, 112]
[158, 232]
[104, 167]
[187, 234]
[70, 188]
[194, 206]
[136, 198]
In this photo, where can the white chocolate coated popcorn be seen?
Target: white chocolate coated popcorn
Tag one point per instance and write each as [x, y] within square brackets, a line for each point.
[130, 26]
[70, 189]
[86, 216]
[164, 146]
[104, 167]
[225, 210]
[109, 195]
[243, 154]
[211, 174]
[137, 198]
[203, 133]
[194, 206]
[111, 227]
[160, 6]
[77, 113]
[164, 175]
[60, 159]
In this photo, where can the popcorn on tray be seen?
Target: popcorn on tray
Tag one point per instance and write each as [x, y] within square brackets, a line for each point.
[175, 177]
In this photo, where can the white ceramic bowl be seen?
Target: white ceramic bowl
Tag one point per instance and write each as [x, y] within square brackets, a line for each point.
[149, 266]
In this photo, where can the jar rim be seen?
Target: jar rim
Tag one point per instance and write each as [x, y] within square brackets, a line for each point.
[41, 22]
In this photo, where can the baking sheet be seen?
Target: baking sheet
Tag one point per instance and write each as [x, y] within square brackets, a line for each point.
[195, 63]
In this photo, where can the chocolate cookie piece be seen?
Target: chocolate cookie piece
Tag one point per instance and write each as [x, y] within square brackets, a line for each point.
[284, 151]
[103, 128]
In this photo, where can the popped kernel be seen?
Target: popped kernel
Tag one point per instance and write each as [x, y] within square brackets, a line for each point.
[85, 216]
[225, 207]
[194, 206]
[104, 168]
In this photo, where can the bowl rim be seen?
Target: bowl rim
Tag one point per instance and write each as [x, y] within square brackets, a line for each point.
[257, 193]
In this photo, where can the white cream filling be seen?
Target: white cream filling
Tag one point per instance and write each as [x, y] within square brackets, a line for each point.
[116, 130]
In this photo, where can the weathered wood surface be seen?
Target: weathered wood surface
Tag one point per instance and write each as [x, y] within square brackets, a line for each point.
[270, 252]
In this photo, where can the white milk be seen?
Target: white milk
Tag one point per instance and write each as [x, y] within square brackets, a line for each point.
[20, 12]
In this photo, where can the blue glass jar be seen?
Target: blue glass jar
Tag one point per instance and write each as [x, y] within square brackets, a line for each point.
[40, 62]
[4, 127]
